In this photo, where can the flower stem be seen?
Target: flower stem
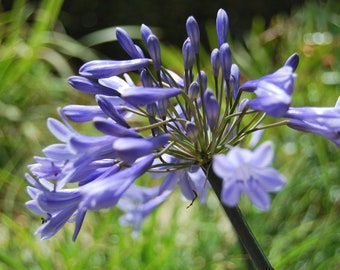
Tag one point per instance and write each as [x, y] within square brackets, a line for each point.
[240, 225]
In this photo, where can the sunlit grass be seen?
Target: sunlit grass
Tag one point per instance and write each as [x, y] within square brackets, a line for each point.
[301, 231]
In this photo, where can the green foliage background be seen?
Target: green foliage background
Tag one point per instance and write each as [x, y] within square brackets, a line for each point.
[301, 231]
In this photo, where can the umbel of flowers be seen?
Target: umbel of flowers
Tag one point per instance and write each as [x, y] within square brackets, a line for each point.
[180, 128]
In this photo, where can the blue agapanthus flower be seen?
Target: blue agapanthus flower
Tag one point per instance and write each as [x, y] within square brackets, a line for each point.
[175, 127]
[249, 172]
[324, 121]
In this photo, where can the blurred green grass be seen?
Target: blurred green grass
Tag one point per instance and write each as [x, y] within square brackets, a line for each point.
[300, 232]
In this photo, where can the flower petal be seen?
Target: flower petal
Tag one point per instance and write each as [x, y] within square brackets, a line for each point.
[231, 192]
[257, 195]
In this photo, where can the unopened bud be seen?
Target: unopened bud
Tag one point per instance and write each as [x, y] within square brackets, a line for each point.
[222, 24]
[194, 90]
[154, 48]
[226, 60]
[215, 61]
[188, 54]
[192, 131]
[193, 33]
[211, 107]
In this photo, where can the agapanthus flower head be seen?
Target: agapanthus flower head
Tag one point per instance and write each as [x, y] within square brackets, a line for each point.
[167, 124]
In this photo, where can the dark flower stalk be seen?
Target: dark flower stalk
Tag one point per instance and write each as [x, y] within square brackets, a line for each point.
[244, 233]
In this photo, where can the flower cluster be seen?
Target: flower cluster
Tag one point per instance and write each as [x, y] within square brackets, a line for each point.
[171, 126]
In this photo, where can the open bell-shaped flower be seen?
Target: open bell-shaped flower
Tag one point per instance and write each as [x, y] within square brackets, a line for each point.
[324, 121]
[249, 172]
[273, 92]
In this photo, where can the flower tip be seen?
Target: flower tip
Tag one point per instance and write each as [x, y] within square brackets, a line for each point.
[226, 60]
[119, 30]
[293, 61]
[188, 54]
[193, 33]
[154, 49]
[145, 32]
[222, 24]
[215, 61]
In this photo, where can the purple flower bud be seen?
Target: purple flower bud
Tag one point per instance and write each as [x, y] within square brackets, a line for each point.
[130, 149]
[96, 147]
[234, 79]
[222, 25]
[107, 126]
[154, 49]
[107, 68]
[174, 81]
[215, 61]
[127, 44]
[145, 33]
[109, 109]
[82, 113]
[162, 107]
[293, 61]
[226, 60]
[194, 90]
[146, 78]
[140, 96]
[204, 80]
[140, 51]
[193, 32]
[188, 54]
[151, 109]
[192, 131]
[86, 85]
[212, 108]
